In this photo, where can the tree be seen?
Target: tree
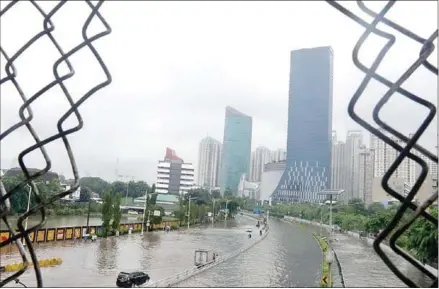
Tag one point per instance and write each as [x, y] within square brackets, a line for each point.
[155, 220]
[375, 208]
[19, 198]
[228, 192]
[84, 194]
[423, 239]
[216, 194]
[137, 189]
[107, 213]
[153, 196]
[119, 187]
[95, 184]
[117, 214]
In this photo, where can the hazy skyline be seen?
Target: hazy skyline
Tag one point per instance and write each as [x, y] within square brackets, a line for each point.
[177, 65]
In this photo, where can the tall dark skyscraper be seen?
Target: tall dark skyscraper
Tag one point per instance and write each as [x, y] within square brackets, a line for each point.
[309, 126]
[237, 141]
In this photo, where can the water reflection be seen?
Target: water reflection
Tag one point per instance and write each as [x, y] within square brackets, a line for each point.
[288, 257]
[106, 254]
[160, 254]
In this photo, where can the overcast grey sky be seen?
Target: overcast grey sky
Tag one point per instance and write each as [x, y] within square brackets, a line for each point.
[177, 65]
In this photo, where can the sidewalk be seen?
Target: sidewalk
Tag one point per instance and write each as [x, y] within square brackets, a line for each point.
[361, 266]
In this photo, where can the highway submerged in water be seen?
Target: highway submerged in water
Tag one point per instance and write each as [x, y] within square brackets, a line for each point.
[283, 259]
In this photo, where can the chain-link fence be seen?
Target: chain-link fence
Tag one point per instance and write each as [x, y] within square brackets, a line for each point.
[426, 48]
[8, 77]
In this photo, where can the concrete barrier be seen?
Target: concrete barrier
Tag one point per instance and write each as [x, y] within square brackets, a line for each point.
[180, 277]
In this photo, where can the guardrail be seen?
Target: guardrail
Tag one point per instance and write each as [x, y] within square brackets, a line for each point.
[180, 277]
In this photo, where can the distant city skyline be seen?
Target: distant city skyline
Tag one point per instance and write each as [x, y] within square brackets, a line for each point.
[173, 96]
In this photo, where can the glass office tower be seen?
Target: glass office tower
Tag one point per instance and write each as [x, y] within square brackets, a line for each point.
[235, 159]
[309, 137]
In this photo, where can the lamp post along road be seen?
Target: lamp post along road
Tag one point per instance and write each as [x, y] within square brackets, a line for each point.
[189, 212]
[88, 215]
[213, 211]
[126, 195]
[330, 253]
[144, 211]
[28, 206]
[225, 211]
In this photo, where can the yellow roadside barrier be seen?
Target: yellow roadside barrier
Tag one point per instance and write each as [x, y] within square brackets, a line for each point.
[50, 262]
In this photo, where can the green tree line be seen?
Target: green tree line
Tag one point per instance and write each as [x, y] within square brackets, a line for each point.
[97, 185]
[19, 199]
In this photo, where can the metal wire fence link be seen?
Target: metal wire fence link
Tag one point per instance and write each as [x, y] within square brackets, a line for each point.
[426, 48]
[9, 75]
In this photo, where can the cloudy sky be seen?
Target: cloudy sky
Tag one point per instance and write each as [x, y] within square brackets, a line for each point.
[177, 65]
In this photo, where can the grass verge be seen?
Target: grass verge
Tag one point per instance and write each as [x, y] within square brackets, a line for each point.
[325, 267]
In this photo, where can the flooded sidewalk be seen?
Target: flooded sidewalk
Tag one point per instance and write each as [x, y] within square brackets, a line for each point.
[362, 267]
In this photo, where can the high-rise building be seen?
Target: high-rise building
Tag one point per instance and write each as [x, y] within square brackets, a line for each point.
[278, 155]
[209, 159]
[309, 138]
[432, 166]
[339, 169]
[345, 171]
[174, 176]
[354, 141]
[366, 174]
[385, 155]
[260, 157]
[235, 159]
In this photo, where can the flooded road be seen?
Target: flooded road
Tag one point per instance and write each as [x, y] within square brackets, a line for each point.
[288, 257]
[159, 254]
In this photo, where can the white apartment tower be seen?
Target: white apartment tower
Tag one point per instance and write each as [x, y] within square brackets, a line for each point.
[278, 155]
[174, 176]
[339, 168]
[354, 142]
[259, 158]
[209, 159]
[385, 155]
[366, 174]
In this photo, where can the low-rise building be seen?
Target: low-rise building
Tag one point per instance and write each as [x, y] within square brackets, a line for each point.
[170, 203]
[174, 176]
[248, 189]
[270, 179]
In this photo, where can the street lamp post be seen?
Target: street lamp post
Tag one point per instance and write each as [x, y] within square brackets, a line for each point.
[144, 211]
[213, 211]
[329, 254]
[28, 206]
[126, 195]
[225, 211]
[189, 212]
